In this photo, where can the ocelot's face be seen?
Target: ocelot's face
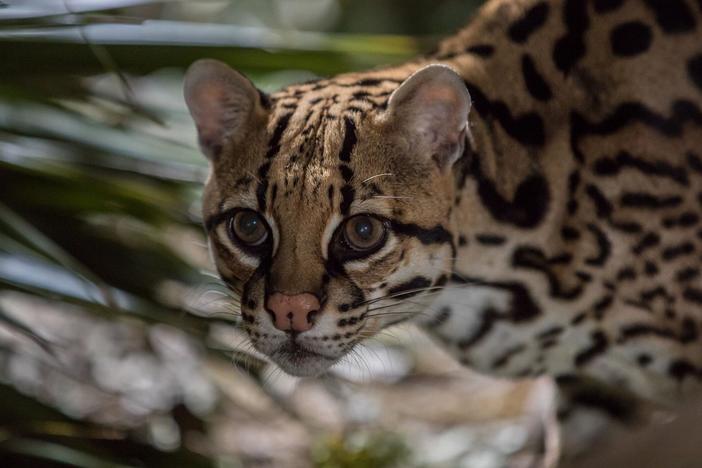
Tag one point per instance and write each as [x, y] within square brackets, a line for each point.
[330, 223]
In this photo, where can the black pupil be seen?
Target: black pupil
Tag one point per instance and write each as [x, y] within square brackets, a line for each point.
[364, 229]
[248, 224]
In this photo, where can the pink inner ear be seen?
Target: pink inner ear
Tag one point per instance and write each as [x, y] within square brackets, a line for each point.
[438, 113]
[432, 107]
[207, 109]
[437, 116]
[209, 142]
[443, 94]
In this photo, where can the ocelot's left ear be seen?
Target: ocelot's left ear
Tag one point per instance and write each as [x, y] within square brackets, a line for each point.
[431, 108]
[225, 105]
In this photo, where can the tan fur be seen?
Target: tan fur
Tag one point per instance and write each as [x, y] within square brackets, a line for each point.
[391, 159]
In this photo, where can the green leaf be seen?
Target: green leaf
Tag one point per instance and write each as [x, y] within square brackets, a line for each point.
[47, 248]
[59, 453]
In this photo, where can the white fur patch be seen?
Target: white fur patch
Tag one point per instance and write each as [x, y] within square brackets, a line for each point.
[466, 304]
[334, 221]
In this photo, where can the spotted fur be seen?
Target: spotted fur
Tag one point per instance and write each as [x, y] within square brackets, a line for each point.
[564, 240]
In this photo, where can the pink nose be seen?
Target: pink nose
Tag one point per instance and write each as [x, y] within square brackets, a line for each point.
[293, 313]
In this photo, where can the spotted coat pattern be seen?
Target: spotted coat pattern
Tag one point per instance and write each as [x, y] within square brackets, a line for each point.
[566, 240]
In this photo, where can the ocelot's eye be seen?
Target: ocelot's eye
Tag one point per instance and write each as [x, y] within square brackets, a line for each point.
[364, 233]
[248, 227]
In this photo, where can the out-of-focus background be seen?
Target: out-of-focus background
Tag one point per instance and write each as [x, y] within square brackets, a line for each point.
[118, 345]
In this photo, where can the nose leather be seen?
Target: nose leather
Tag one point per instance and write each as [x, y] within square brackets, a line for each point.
[293, 313]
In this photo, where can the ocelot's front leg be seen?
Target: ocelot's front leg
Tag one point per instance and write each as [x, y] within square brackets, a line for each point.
[592, 414]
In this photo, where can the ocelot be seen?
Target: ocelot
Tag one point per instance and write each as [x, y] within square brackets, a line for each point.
[530, 193]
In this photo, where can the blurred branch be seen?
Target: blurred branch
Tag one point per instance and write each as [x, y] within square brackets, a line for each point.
[59, 453]
[14, 324]
[156, 44]
[174, 33]
[44, 10]
[107, 62]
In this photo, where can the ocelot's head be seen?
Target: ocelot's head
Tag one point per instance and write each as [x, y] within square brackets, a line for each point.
[328, 203]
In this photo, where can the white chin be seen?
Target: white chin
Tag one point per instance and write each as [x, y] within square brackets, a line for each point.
[302, 364]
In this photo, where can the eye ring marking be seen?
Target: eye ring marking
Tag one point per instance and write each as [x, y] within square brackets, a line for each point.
[248, 228]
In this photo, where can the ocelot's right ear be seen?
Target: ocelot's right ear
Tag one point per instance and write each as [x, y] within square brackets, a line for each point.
[223, 103]
[431, 108]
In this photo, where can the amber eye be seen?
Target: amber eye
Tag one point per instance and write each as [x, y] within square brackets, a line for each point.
[363, 232]
[248, 227]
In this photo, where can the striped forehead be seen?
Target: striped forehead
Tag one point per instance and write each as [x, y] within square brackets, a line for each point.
[309, 152]
[312, 132]
[310, 120]
[338, 96]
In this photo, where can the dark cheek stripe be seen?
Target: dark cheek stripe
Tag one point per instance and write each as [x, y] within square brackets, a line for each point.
[427, 236]
[357, 298]
[416, 285]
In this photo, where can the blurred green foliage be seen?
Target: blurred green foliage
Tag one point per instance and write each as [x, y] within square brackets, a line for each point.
[100, 179]
[362, 450]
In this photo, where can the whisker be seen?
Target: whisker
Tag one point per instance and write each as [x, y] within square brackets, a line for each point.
[406, 312]
[406, 301]
[432, 289]
[377, 175]
[408, 291]
[393, 197]
[201, 292]
[258, 181]
[245, 358]
[210, 274]
[220, 293]
[218, 301]
[223, 315]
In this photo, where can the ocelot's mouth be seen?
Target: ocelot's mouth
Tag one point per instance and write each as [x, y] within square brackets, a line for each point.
[298, 360]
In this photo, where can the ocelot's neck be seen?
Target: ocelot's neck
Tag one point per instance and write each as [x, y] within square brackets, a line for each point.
[511, 186]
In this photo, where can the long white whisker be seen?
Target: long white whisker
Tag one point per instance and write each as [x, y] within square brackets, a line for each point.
[377, 175]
